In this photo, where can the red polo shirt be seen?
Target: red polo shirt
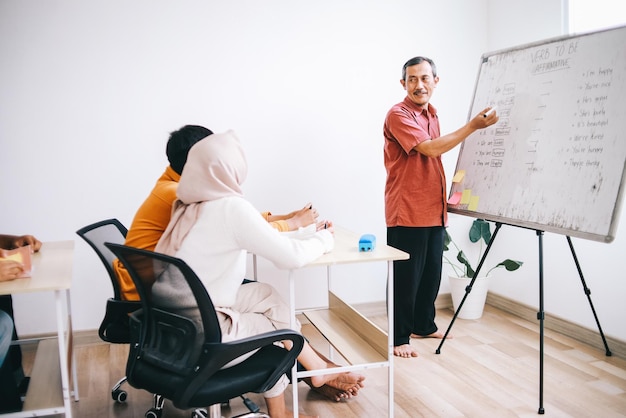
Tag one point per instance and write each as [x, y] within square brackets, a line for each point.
[415, 191]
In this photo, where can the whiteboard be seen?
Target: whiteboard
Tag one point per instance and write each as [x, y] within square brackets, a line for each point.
[556, 159]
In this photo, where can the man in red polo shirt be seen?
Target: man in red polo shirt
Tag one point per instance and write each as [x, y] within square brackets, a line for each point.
[415, 200]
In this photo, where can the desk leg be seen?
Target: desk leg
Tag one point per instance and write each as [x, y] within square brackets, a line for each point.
[390, 356]
[63, 353]
[71, 357]
[294, 369]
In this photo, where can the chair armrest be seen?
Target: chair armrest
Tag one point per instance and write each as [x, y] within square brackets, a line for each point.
[115, 327]
[216, 355]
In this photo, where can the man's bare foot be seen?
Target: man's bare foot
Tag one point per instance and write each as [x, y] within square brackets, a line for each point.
[404, 350]
[437, 334]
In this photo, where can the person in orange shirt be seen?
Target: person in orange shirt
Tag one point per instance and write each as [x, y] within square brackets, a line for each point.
[153, 215]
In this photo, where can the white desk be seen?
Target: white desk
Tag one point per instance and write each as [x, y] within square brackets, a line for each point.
[52, 271]
[362, 343]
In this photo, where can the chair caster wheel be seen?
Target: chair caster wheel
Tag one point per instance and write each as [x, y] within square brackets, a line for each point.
[200, 413]
[153, 413]
[119, 395]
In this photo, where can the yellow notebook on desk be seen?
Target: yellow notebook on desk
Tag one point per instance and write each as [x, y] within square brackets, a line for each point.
[21, 255]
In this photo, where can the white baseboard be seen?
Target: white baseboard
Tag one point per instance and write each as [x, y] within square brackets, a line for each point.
[551, 322]
[588, 336]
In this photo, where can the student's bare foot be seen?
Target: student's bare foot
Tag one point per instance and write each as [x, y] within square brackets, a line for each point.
[404, 350]
[437, 334]
[332, 393]
[346, 382]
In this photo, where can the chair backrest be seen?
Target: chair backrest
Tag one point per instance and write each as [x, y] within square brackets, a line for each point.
[115, 327]
[96, 235]
[190, 298]
[180, 322]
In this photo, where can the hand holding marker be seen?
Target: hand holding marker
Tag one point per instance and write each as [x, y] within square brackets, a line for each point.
[489, 112]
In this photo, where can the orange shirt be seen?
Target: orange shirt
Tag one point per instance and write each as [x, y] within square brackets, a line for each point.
[281, 225]
[148, 225]
[415, 190]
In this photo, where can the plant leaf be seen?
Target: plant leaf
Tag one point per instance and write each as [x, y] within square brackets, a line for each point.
[480, 229]
[510, 265]
[485, 231]
[475, 231]
[469, 271]
[446, 240]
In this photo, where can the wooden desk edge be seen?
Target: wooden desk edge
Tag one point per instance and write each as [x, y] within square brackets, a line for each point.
[53, 268]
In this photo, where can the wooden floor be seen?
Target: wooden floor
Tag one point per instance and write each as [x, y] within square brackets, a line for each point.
[489, 369]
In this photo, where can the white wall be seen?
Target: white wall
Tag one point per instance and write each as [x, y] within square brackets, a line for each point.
[90, 91]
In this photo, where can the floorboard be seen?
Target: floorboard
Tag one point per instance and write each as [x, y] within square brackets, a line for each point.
[490, 368]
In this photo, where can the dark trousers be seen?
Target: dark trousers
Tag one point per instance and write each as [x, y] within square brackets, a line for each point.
[9, 394]
[6, 305]
[416, 281]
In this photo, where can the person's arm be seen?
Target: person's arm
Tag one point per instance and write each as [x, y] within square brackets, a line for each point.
[256, 236]
[445, 143]
[9, 242]
[294, 220]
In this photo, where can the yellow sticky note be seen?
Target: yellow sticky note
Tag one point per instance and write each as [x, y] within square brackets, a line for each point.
[473, 203]
[458, 176]
[467, 195]
[455, 198]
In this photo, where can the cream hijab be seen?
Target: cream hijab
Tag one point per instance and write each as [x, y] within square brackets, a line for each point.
[216, 167]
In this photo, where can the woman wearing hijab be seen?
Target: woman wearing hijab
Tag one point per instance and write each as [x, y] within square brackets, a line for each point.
[212, 229]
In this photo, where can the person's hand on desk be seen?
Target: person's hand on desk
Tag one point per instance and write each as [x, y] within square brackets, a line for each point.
[328, 225]
[9, 242]
[10, 270]
[302, 218]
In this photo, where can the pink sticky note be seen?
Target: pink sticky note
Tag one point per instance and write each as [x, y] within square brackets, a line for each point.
[455, 198]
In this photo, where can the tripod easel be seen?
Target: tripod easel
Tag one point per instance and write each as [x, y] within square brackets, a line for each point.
[540, 314]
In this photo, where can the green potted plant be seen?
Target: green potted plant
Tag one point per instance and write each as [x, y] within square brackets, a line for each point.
[463, 271]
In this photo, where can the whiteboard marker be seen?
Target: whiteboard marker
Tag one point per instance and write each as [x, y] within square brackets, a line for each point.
[489, 112]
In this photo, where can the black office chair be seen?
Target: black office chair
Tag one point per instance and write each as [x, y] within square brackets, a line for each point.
[179, 352]
[115, 324]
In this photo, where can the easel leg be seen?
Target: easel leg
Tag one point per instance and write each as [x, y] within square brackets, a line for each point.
[540, 313]
[540, 317]
[468, 289]
[588, 293]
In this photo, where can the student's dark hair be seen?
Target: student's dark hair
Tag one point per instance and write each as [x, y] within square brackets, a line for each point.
[418, 60]
[180, 143]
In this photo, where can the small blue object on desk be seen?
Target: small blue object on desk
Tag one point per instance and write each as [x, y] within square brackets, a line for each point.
[367, 242]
